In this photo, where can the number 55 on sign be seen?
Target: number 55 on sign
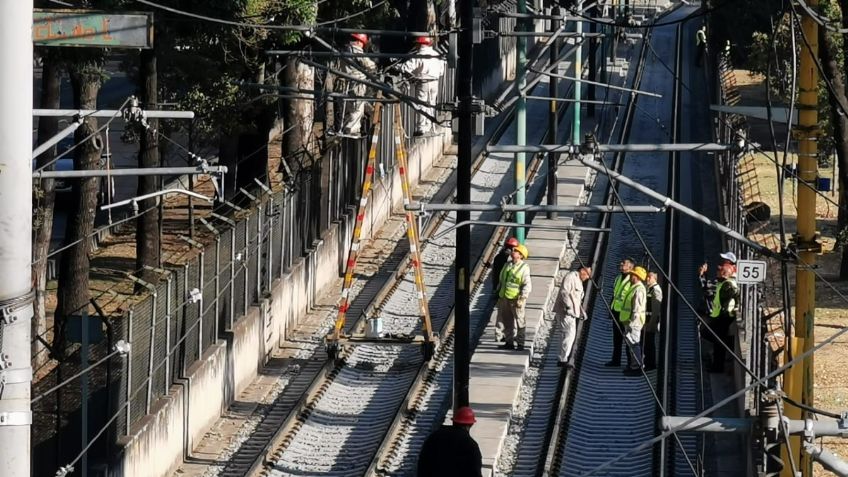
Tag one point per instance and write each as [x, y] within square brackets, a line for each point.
[750, 271]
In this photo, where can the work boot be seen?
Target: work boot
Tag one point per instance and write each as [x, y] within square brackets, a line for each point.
[507, 346]
[519, 347]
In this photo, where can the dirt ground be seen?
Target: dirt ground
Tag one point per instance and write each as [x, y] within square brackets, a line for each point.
[831, 362]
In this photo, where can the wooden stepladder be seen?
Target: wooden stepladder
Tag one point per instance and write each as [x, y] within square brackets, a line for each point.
[412, 233]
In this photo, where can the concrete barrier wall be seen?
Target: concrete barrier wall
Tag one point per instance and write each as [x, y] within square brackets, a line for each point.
[157, 445]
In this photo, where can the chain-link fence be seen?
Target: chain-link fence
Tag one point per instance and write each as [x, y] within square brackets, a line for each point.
[195, 303]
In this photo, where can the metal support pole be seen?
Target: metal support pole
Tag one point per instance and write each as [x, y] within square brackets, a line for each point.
[578, 72]
[15, 242]
[593, 62]
[465, 121]
[572, 149]
[107, 113]
[521, 119]
[827, 459]
[435, 207]
[553, 86]
[798, 382]
[130, 171]
[201, 260]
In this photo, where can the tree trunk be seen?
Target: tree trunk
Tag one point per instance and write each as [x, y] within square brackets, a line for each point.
[51, 81]
[73, 294]
[842, 147]
[299, 113]
[147, 239]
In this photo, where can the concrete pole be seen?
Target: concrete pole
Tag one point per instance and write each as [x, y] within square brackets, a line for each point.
[521, 120]
[15, 233]
[798, 382]
[578, 73]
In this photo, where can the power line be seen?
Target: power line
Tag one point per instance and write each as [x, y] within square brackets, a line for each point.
[295, 28]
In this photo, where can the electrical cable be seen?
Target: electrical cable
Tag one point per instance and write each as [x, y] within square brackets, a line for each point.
[94, 133]
[608, 307]
[784, 428]
[811, 409]
[698, 13]
[306, 29]
[352, 15]
[756, 382]
[72, 378]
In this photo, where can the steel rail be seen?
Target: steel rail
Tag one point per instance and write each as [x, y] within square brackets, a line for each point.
[559, 424]
[404, 422]
[319, 378]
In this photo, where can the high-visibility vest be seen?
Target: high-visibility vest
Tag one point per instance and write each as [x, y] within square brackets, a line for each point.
[626, 314]
[731, 305]
[511, 280]
[619, 289]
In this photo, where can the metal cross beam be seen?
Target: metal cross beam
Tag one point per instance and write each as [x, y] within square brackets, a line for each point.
[147, 171]
[635, 209]
[110, 113]
[572, 149]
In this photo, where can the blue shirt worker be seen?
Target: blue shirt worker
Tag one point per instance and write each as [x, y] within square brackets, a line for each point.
[513, 291]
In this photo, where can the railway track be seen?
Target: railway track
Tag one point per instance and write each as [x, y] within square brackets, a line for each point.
[601, 412]
[330, 419]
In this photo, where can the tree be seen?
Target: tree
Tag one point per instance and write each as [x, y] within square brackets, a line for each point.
[147, 237]
[73, 294]
[51, 80]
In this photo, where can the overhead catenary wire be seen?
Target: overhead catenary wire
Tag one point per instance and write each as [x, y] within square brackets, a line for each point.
[293, 28]
[757, 382]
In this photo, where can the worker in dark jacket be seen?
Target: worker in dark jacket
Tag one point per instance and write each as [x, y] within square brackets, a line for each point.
[451, 451]
[498, 263]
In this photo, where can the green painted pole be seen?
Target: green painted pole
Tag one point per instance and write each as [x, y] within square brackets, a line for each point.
[521, 120]
[578, 73]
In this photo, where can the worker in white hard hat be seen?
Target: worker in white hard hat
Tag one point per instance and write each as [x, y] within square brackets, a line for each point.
[425, 72]
[723, 301]
[513, 292]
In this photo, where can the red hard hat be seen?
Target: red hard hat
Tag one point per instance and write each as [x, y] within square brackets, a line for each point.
[424, 40]
[512, 242]
[464, 416]
[360, 37]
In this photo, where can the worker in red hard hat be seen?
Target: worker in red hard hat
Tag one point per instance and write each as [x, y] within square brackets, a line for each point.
[451, 451]
[498, 263]
[351, 109]
[425, 69]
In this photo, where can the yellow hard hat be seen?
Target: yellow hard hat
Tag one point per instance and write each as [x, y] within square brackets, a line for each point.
[522, 250]
[640, 272]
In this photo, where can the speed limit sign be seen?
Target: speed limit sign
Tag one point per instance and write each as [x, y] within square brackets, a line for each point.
[750, 271]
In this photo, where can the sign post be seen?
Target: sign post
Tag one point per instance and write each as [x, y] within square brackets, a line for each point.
[92, 28]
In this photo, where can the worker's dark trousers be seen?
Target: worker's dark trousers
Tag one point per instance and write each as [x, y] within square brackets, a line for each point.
[634, 356]
[721, 326]
[649, 345]
[617, 337]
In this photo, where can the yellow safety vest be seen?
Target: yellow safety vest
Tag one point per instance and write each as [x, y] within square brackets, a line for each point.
[731, 305]
[626, 314]
[619, 290]
[511, 281]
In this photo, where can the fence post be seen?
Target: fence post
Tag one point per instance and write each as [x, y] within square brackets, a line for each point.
[150, 354]
[200, 304]
[259, 227]
[246, 266]
[217, 286]
[168, 312]
[269, 271]
[129, 370]
[186, 304]
[232, 277]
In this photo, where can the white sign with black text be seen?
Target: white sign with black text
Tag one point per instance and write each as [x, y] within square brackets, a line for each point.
[750, 271]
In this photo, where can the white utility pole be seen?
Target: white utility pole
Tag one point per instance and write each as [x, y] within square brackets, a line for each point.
[15, 234]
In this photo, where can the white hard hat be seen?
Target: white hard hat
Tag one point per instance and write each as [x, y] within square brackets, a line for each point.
[729, 256]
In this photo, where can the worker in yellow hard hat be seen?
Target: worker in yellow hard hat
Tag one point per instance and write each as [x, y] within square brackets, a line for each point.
[513, 291]
[632, 318]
